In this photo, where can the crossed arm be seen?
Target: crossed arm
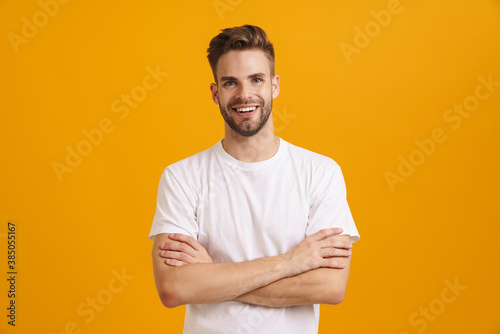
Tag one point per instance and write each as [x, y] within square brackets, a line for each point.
[314, 272]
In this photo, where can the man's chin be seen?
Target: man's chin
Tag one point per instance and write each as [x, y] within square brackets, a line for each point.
[246, 133]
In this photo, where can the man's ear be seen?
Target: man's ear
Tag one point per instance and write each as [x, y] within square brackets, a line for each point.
[276, 86]
[215, 93]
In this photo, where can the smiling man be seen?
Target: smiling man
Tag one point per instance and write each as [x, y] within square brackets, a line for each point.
[253, 233]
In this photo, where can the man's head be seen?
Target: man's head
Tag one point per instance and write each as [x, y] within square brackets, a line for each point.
[246, 37]
[242, 60]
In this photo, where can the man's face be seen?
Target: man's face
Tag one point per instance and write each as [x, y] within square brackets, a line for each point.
[245, 91]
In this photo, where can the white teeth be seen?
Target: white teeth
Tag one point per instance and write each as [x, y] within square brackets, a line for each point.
[246, 109]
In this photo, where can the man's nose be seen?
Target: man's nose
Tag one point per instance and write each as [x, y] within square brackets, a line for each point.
[244, 92]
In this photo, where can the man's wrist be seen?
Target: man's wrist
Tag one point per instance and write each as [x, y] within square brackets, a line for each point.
[286, 266]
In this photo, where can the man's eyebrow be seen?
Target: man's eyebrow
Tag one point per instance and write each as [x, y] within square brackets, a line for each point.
[227, 78]
[256, 75]
[251, 76]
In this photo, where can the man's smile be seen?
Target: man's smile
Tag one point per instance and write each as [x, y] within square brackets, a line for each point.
[245, 111]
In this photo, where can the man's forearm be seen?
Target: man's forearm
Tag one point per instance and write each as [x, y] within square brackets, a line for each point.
[319, 286]
[215, 282]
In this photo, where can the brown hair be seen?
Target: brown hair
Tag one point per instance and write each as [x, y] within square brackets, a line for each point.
[239, 38]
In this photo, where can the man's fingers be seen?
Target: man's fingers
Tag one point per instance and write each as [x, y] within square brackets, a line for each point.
[186, 239]
[330, 263]
[178, 247]
[180, 256]
[175, 263]
[325, 233]
[336, 243]
[184, 248]
[335, 252]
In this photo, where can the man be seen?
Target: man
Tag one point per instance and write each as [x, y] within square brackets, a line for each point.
[253, 233]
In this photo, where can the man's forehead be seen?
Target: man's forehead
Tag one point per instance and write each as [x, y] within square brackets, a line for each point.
[243, 63]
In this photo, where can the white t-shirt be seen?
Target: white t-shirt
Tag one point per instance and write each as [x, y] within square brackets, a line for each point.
[242, 211]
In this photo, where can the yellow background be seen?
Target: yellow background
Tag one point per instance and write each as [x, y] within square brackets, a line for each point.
[365, 111]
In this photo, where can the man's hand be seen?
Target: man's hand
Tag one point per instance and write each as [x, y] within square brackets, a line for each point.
[184, 250]
[316, 251]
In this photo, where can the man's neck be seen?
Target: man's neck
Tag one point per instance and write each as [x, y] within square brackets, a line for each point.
[259, 147]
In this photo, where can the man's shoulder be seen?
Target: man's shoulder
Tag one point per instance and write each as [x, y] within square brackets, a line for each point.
[195, 161]
[312, 158]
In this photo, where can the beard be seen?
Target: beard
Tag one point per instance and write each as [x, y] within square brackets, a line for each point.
[247, 127]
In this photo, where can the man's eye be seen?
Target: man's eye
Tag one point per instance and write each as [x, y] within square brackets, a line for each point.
[229, 83]
[257, 80]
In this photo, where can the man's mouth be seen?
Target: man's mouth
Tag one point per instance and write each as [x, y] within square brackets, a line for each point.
[245, 109]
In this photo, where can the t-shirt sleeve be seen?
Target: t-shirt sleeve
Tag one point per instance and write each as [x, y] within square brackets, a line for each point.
[175, 208]
[328, 204]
